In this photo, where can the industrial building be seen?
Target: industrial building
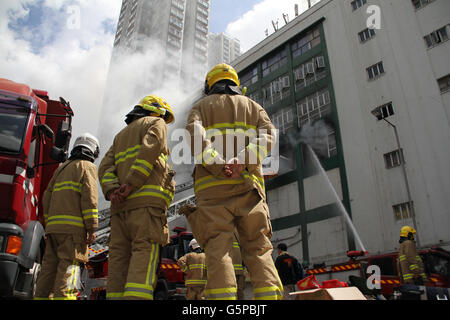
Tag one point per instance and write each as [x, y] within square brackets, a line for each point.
[348, 78]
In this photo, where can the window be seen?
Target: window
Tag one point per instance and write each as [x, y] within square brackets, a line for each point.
[402, 211]
[393, 159]
[444, 83]
[306, 43]
[283, 119]
[358, 4]
[387, 266]
[249, 78]
[276, 90]
[274, 62]
[309, 72]
[384, 111]
[436, 263]
[313, 107]
[255, 96]
[376, 70]
[436, 37]
[420, 3]
[331, 144]
[366, 34]
[13, 122]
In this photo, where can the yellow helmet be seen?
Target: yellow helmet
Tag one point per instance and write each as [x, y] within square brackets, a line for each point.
[221, 71]
[158, 106]
[407, 230]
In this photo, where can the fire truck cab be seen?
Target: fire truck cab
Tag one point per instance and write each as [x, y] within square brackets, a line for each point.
[170, 283]
[34, 139]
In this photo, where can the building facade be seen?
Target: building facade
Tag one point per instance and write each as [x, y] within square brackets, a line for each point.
[222, 48]
[322, 78]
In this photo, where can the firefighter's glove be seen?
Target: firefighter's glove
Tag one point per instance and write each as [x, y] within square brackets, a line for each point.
[187, 209]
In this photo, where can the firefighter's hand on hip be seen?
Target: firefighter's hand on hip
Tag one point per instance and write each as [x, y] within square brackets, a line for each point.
[233, 169]
[124, 191]
[90, 237]
[115, 197]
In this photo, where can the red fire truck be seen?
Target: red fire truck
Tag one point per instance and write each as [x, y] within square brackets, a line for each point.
[355, 271]
[35, 133]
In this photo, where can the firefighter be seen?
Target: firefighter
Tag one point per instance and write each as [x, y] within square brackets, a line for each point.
[194, 266]
[136, 177]
[229, 185]
[410, 265]
[71, 218]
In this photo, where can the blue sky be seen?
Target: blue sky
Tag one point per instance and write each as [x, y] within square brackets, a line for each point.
[222, 12]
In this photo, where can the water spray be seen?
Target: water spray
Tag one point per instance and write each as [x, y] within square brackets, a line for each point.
[316, 136]
[338, 200]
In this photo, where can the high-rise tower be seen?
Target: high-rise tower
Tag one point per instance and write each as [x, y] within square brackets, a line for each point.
[179, 29]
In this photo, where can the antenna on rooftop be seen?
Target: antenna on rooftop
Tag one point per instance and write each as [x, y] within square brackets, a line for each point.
[275, 25]
[286, 18]
[296, 10]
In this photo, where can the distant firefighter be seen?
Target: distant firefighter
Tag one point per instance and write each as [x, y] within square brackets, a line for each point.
[193, 264]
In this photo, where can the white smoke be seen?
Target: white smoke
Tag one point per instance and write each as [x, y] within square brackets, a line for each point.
[314, 135]
[134, 74]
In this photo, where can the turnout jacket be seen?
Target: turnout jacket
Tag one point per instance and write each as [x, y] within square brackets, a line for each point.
[212, 122]
[70, 200]
[194, 265]
[138, 156]
[409, 262]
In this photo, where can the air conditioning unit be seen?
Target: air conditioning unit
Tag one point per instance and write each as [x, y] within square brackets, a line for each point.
[310, 68]
[300, 74]
[276, 86]
[285, 82]
[320, 62]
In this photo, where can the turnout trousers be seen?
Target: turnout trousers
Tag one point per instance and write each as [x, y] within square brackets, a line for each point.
[213, 224]
[134, 253]
[195, 293]
[59, 278]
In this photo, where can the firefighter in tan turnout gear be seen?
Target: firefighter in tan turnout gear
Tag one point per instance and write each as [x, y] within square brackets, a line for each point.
[410, 265]
[229, 186]
[136, 177]
[193, 264]
[71, 218]
[236, 258]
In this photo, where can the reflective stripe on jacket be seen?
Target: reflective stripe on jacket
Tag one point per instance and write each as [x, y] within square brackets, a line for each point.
[409, 262]
[194, 265]
[71, 198]
[229, 118]
[138, 156]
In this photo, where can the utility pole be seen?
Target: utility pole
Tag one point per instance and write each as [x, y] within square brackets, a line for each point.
[378, 115]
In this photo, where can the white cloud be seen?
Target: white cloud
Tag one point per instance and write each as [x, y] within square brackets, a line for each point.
[67, 62]
[250, 28]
